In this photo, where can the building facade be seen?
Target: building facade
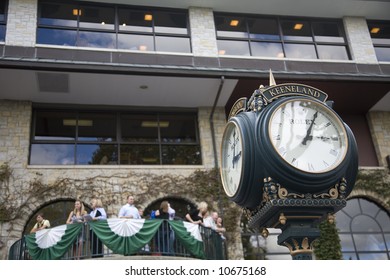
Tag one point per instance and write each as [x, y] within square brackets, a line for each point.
[106, 99]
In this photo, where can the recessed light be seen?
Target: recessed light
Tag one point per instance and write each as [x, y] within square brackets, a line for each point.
[298, 26]
[143, 87]
[234, 22]
[375, 30]
[148, 17]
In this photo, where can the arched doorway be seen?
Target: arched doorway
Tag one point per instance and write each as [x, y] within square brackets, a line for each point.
[56, 212]
[181, 206]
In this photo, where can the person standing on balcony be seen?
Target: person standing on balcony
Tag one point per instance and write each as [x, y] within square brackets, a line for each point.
[97, 213]
[41, 223]
[77, 216]
[129, 211]
[196, 216]
[163, 232]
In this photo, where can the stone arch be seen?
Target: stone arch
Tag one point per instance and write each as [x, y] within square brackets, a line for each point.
[370, 195]
[179, 203]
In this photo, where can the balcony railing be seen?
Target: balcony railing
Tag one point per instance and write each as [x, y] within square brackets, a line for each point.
[93, 240]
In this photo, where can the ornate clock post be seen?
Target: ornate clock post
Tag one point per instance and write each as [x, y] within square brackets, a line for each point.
[290, 161]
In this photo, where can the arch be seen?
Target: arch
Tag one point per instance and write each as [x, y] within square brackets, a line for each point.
[364, 229]
[180, 204]
[56, 211]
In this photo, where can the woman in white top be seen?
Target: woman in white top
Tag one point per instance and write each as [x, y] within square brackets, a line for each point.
[97, 213]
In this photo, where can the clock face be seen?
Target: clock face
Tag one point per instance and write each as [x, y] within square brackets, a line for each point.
[231, 158]
[308, 135]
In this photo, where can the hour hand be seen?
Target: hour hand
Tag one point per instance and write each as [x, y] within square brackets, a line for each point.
[308, 136]
[236, 158]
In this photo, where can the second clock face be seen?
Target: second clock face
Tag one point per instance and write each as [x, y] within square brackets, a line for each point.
[308, 135]
[231, 159]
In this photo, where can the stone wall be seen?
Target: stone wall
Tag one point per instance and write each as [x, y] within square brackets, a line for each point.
[359, 39]
[379, 123]
[22, 22]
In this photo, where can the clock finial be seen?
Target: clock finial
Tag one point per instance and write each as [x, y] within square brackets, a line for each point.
[271, 79]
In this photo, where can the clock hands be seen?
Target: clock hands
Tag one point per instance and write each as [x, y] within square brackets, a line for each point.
[236, 158]
[308, 136]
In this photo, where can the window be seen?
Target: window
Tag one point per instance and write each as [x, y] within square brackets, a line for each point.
[109, 138]
[280, 37]
[116, 27]
[3, 19]
[364, 230]
[380, 35]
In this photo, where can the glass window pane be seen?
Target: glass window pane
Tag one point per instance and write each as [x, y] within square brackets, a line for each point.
[226, 47]
[185, 154]
[352, 208]
[47, 154]
[139, 128]
[97, 17]
[300, 51]
[297, 30]
[382, 54]
[332, 52]
[135, 42]
[267, 49]
[379, 30]
[346, 242]
[55, 126]
[372, 256]
[327, 32]
[61, 14]
[264, 29]
[97, 154]
[138, 21]
[96, 127]
[139, 154]
[2, 10]
[343, 221]
[384, 220]
[369, 242]
[365, 224]
[349, 256]
[173, 44]
[96, 40]
[56, 37]
[234, 27]
[369, 207]
[167, 22]
[177, 129]
[2, 33]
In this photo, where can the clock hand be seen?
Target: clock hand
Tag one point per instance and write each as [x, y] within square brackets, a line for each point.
[308, 136]
[236, 158]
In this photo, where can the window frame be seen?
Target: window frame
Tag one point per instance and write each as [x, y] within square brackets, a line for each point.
[282, 40]
[379, 45]
[119, 141]
[116, 32]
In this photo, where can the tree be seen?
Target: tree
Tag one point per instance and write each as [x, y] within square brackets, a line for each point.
[328, 246]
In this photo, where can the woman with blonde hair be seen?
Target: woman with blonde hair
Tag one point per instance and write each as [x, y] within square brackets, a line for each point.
[196, 216]
[77, 216]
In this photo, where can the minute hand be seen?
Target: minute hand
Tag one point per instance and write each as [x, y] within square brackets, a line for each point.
[308, 137]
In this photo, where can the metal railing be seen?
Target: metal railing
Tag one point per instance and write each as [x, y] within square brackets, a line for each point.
[163, 243]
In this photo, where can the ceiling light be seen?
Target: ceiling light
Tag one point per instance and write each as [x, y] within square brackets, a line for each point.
[73, 122]
[221, 52]
[154, 124]
[143, 48]
[148, 17]
[298, 26]
[234, 22]
[76, 12]
[103, 23]
[149, 160]
[375, 30]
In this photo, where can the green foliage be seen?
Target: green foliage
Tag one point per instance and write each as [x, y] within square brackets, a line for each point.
[328, 246]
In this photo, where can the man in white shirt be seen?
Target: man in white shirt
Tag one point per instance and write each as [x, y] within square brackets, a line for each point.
[129, 211]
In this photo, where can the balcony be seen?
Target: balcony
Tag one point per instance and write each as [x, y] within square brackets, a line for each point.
[119, 239]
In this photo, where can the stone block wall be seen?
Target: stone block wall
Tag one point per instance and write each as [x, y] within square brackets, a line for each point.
[379, 123]
[21, 23]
